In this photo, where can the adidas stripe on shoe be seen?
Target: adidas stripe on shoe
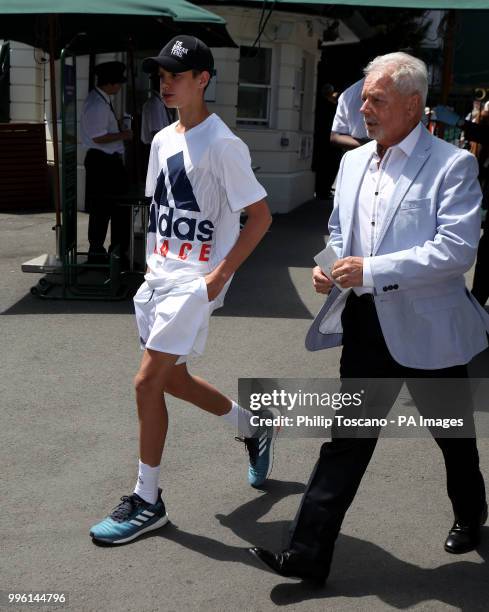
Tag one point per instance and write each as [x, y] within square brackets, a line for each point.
[260, 451]
[130, 519]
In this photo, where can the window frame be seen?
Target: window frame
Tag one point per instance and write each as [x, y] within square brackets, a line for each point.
[258, 121]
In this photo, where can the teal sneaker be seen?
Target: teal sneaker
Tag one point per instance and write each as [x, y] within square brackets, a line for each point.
[130, 519]
[260, 451]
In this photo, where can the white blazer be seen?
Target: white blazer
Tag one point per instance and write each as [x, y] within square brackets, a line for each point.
[428, 239]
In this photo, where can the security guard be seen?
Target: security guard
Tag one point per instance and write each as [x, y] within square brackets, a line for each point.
[106, 175]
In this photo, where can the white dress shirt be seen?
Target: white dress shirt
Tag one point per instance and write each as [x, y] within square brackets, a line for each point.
[98, 119]
[348, 119]
[154, 117]
[377, 187]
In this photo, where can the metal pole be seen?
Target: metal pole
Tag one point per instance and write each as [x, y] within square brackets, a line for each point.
[54, 120]
[135, 126]
[448, 52]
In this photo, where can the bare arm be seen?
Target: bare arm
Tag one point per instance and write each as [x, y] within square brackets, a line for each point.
[259, 220]
[106, 138]
[345, 141]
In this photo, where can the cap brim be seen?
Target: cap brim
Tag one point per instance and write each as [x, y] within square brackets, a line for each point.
[151, 65]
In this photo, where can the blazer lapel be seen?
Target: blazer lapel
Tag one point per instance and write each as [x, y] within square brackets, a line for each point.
[413, 166]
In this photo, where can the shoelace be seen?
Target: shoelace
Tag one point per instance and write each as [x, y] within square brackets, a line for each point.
[251, 445]
[124, 510]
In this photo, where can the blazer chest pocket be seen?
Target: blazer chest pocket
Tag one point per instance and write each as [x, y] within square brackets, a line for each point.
[415, 204]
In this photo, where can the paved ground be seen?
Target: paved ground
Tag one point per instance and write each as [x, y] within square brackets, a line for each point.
[69, 450]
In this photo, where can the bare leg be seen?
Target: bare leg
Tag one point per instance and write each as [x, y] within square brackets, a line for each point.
[197, 391]
[150, 383]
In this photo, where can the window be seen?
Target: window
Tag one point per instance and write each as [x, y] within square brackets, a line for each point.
[254, 88]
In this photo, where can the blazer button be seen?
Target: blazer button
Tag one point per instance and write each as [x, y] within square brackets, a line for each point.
[390, 287]
[384, 289]
[396, 286]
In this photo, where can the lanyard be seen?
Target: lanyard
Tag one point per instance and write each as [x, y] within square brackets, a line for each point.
[110, 105]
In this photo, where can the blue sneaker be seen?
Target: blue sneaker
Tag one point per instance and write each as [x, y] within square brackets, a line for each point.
[130, 519]
[260, 451]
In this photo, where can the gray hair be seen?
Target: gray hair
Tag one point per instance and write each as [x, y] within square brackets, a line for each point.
[408, 73]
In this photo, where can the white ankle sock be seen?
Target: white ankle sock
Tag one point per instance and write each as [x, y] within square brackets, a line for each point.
[147, 482]
[240, 418]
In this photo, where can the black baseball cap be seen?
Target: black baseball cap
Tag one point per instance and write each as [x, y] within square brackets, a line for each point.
[182, 53]
[111, 72]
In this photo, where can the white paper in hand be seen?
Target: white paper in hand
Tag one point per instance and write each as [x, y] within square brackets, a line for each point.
[325, 259]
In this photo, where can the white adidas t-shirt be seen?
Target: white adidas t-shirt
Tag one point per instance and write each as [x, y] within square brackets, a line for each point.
[199, 181]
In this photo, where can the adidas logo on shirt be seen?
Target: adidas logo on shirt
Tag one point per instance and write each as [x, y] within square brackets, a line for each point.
[180, 225]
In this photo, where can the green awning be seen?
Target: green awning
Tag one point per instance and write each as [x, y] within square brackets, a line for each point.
[101, 26]
[178, 10]
[415, 4]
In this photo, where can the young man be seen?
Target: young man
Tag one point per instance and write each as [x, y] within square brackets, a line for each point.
[200, 178]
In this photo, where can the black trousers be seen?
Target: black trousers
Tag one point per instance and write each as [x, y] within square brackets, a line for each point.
[106, 178]
[343, 461]
[480, 289]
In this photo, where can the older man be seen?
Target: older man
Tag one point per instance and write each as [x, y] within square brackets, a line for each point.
[405, 227]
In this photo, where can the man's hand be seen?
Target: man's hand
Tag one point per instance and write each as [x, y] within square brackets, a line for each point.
[348, 272]
[320, 281]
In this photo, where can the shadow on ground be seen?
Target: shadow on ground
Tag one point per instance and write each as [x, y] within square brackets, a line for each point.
[360, 568]
[363, 569]
[263, 287]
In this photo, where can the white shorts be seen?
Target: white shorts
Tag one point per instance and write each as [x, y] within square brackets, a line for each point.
[175, 320]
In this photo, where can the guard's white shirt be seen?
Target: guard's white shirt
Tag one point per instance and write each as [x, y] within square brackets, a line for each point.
[348, 119]
[379, 182]
[97, 119]
[154, 117]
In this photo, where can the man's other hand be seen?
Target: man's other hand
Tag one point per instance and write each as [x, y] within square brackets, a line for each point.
[348, 272]
[320, 281]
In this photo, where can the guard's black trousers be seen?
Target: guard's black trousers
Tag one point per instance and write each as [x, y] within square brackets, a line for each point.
[106, 178]
[343, 461]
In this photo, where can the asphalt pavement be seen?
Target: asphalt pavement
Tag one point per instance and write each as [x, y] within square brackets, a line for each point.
[69, 451]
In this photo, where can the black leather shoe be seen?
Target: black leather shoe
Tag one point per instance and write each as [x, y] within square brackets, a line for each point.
[464, 537]
[281, 563]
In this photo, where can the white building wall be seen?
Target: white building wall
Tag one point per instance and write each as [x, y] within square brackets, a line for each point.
[26, 84]
[283, 150]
